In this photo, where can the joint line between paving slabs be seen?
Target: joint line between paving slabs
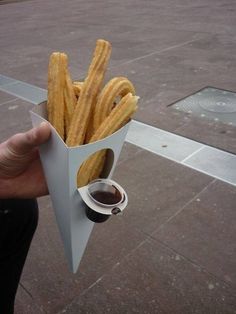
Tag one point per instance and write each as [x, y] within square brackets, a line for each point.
[9, 101]
[113, 267]
[191, 262]
[23, 287]
[156, 52]
[217, 177]
[104, 275]
[31, 296]
[191, 155]
[182, 208]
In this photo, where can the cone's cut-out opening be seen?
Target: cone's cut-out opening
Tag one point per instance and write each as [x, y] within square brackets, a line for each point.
[97, 165]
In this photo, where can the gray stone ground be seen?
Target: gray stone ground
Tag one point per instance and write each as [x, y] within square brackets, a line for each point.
[173, 251]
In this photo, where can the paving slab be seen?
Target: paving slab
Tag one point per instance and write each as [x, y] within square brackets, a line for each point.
[156, 279]
[182, 77]
[204, 231]
[27, 92]
[214, 162]
[162, 143]
[5, 98]
[14, 118]
[26, 304]
[108, 244]
[74, 33]
[215, 134]
[33, 73]
[158, 189]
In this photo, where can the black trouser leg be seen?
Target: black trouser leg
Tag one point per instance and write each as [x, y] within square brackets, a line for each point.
[18, 221]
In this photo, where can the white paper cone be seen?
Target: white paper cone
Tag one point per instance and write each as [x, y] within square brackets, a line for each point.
[61, 164]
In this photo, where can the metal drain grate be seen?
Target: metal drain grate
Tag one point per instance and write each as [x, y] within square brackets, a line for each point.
[211, 103]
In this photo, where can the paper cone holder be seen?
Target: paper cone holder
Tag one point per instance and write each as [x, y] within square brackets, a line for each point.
[61, 164]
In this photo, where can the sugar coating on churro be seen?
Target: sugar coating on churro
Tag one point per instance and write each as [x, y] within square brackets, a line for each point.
[89, 92]
[117, 87]
[70, 101]
[122, 111]
[56, 82]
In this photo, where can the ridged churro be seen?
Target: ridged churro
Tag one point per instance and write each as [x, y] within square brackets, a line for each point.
[117, 118]
[89, 92]
[117, 87]
[120, 115]
[70, 101]
[56, 82]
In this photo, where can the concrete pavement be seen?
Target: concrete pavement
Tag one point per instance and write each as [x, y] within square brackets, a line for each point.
[173, 251]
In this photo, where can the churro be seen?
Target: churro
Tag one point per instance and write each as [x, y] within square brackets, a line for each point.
[120, 115]
[56, 82]
[83, 112]
[117, 118]
[117, 87]
[90, 89]
[70, 101]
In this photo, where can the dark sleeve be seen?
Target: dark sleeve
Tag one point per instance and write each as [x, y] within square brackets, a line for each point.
[18, 222]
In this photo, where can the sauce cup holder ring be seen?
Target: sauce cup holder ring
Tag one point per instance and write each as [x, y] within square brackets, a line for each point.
[103, 197]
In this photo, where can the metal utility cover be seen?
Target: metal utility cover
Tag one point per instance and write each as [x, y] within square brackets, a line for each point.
[211, 103]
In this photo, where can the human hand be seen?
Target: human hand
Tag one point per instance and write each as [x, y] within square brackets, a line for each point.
[21, 173]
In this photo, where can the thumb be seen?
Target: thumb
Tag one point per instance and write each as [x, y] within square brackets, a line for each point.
[23, 143]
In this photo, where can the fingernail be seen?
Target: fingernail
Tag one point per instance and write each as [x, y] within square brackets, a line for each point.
[43, 123]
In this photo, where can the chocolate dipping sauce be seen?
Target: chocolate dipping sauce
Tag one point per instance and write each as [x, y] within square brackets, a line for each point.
[106, 197]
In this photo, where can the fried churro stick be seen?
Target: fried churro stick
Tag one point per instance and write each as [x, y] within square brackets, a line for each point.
[70, 101]
[88, 95]
[56, 82]
[118, 86]
[117, 118]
